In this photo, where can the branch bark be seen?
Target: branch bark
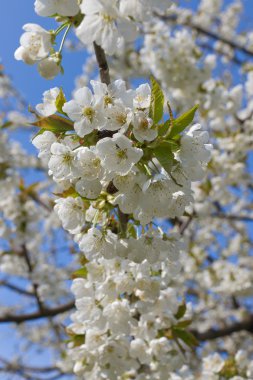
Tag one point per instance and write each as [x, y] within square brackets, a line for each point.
[9, 318]
[102, 64]
[246, 325]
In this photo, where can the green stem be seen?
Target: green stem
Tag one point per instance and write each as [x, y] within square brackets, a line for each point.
[61, 27]
[64, 37]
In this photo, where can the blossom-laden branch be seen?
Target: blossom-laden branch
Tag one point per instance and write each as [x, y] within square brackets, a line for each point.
[208, 33]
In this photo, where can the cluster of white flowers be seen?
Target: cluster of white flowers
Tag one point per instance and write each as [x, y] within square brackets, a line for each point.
[125, 300]
[238, 368]
[107, 23]
[144, 192]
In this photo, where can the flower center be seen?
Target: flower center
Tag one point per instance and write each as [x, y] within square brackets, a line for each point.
[121, 118]
[144, 124]
[89, 113]
[67, 158]
[96, 163]
[108, 100]
[107, 18]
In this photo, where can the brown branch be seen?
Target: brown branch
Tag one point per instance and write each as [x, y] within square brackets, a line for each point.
[30, 270]
[246, 325]
[239, 218]
[183, 227]
[16, 289]
[28, 368]
[25, 371]
[37, 199]
[10, 318]
[102, 64]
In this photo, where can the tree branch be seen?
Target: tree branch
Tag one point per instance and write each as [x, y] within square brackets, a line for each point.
[16, 289]
[9, 318]
[102, 64]
[30, 270]
[246, 325]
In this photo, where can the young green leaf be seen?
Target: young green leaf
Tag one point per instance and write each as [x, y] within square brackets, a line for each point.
[186, 336]
[182, 122]
[55, 124]
[181, 311]
[163, 128]
[70, 192]
[82, 272]
[164, 155]
[157, 101]
[60, 100]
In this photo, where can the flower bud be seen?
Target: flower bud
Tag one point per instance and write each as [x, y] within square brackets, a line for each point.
[49, 67]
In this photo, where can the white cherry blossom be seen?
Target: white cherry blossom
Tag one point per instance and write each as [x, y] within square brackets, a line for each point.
[117, 154]
[48, 107]
[85, 111]
[142, 127]
[35, 44]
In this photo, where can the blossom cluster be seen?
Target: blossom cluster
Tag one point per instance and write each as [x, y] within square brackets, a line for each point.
[117, 170]
[106, 23]
[127, 160]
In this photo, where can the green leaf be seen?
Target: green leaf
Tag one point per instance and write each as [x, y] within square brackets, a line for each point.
[157, 101]
[186, 336]
[60, 101]
[183, 324]
[70, 192]
[80, 273]
[164, 155]
[78, 340]
[182, 122]
[55, 124]
[181, 311]
[163, 128]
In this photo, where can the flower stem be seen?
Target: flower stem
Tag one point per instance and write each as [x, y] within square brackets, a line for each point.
[64, 37]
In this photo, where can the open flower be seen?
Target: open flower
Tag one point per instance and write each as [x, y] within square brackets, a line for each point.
[86, 112]
[117, 154]
[48, 107]
[35, 44]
